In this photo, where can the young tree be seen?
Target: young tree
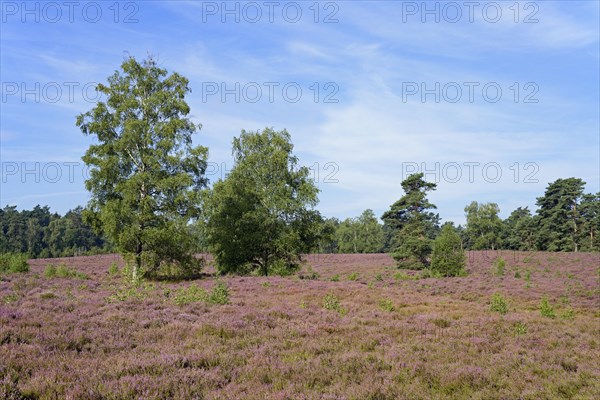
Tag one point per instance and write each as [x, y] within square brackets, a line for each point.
[260, 217]
[483, 225]
[412, 224]
[559, 222]
[145, 175]
[448, 257]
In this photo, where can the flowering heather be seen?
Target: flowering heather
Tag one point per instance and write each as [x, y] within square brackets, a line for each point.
[273, 338]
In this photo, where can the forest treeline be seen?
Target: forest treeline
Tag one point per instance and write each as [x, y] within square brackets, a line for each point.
[567, 220]
[40, 233]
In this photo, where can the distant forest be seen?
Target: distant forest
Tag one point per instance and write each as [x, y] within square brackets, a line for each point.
[567, 220]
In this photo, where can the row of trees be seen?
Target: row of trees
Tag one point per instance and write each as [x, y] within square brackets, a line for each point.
[40, 233]
[150, 199]
[567, 220]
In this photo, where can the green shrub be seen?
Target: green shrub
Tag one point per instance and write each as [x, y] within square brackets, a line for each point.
[63, 271]
[13, 263]
[379, 277]
[113, 269]
[498, 304]
[520, 328]
[335, 278]
[546, 308]
[188, 295]
[568, 314]
[219, 294]
[50, 271]
[331, 302]
[353, 276]
[500, 265]
[403, 276]
[387, 305]
[448, 257]
[518, 275]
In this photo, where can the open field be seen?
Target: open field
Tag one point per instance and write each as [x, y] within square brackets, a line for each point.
[373, 332]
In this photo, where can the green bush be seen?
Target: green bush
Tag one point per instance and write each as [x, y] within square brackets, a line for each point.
[13, 263]
[448, 257]
[498, 304]
[500, 265]
[331, 302]
[335, 278]
[387, 305]
[63, 271]
[353, 276]
[219, 294]
[113, 269]
[546, 308]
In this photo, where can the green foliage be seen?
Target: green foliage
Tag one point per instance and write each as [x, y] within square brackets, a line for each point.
[360, 235]
[41, 234]
[190, 294]
[145, 175]
[387, 305]
[559, 221]
[411, 226]
[10, 298]
[483, 226]
[498, 304]
[448, 258]
[219, 294]
[546, 309]
[353, 276]
[517, 274]
[518, 230]
[63, 271]
[335, 278]
[379, 277]
[13, 263]
[260, 217]
[113, 269]
[520, 328]
[499, 265]
[331, 302]
[403, 276]
[568, 314]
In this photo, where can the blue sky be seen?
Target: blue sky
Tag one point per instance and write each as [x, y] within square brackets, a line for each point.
[464, 92]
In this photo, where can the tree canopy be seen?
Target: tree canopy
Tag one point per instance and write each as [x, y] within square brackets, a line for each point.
[261, 217]
[146, 174]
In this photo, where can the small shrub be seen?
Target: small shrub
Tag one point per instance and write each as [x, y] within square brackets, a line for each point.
[353, 276]
[568, 314]
[403, 276]
[50, 271]
[379, 277]
[387, 305]
[10, 298]
[13, 263]
[266, 284]
[546, 309]
[48, 295]
[331, 302]
[188, 295]
[303, 304]
[498, 304]
[518, 275]
[441, 323]
[335, 278]
[113, 269]
[429, 273]
[528, 276]
[520, 328]
[499, 265]
[219, 294]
